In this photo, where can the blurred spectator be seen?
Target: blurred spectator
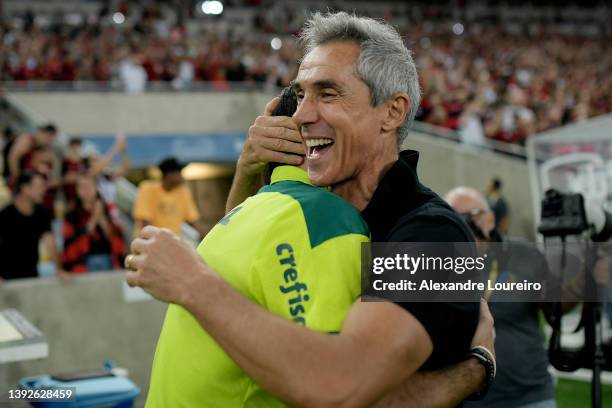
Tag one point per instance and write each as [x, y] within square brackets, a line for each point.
[73, 165]
[93, 240]
[498, 205]
[132, 74]
[186, 74]
[470, 125]
[23, 224]
[513, 121]
[168, 203]
[101, 168]
[42, 161]
[23, 149]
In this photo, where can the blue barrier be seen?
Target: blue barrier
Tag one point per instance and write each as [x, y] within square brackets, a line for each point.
[150, 149]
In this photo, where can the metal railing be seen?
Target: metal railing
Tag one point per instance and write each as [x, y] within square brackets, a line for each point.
[508, 149]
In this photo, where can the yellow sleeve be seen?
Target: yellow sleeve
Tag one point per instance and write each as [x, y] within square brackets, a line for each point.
[143, 205]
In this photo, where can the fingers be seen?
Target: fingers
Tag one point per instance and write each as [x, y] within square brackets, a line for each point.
[280, 144]
[270, 106]
[149, 232]
[137, 261]
[134, 262]
[138, 246]
[133, 278]
[270, 156]
[279, 122]
[127, 262]
[270, 140]
[278, 138]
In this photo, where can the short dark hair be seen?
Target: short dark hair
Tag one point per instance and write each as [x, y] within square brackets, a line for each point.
[49, 128]
[75, 141]
[497, 184]
[25, 179]
[170, 165]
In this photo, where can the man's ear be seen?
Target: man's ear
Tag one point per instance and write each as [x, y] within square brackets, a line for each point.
[396, 110]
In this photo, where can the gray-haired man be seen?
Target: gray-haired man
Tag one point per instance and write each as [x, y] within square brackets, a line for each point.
[357, 92]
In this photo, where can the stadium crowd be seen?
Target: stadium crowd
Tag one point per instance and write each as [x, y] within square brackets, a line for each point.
[58, 206]
[528, 82]
[72, 190]
[524, 84]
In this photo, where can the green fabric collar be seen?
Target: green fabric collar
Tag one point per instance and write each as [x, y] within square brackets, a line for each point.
[289, 173]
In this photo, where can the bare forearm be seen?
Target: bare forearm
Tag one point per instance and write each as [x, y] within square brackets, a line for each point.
[52, 250]
[255, 340]
[125, 165]
[106, 227]
[380, 344]
[243, 186]
[442, 388]
[103, 163]
[300, 366]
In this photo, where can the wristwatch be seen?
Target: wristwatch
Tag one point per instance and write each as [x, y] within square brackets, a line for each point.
[486, 358]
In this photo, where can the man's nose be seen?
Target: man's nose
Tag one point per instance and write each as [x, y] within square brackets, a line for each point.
[306, 112]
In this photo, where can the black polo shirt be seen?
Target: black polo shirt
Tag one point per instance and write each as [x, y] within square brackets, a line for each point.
[404, 210]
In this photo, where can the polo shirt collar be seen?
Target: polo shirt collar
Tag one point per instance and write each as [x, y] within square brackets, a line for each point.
[289, 173]
[394, 195]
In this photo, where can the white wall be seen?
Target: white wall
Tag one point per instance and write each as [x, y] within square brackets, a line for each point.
[444, 164]
[152, 112]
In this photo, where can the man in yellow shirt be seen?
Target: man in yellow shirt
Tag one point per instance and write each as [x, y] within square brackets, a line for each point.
[166, 203]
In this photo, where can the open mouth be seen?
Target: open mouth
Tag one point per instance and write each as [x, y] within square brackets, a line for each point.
[318, 147]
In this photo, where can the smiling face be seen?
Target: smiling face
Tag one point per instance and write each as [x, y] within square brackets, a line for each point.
[336, 120]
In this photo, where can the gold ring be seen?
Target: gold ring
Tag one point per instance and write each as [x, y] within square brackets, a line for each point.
[128, 261]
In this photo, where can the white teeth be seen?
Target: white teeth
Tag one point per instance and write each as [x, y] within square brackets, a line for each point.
[318, 142]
